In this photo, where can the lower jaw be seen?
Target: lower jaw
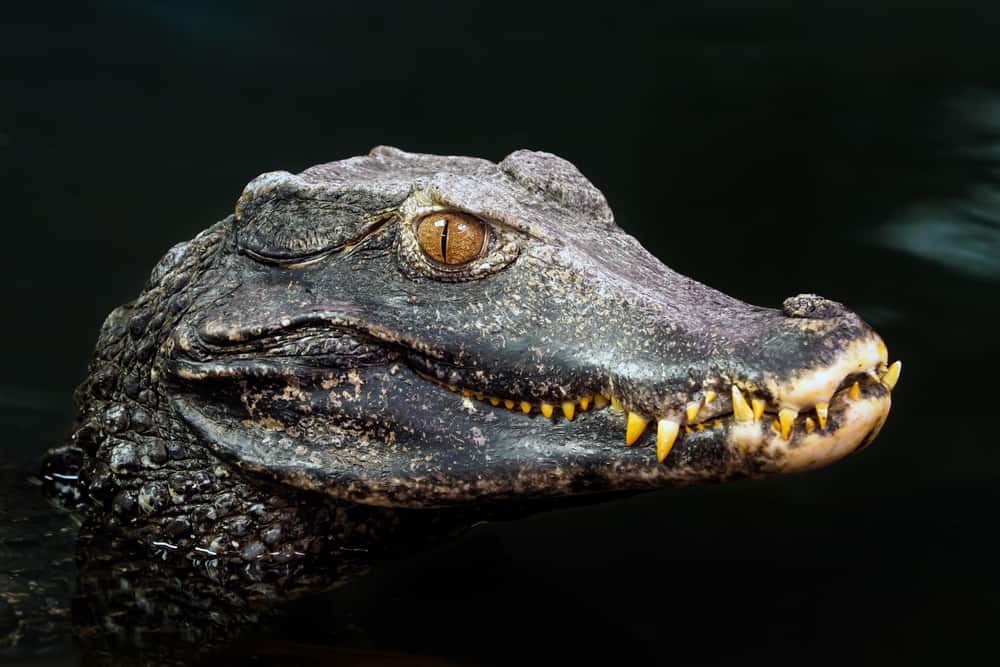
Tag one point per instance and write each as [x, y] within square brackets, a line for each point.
[858, 422]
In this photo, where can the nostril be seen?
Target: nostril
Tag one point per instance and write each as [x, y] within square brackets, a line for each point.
[812, 306]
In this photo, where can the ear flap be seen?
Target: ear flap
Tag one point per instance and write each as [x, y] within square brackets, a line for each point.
[554, 178]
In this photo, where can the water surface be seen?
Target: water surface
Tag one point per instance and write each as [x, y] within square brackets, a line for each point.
[762, 152]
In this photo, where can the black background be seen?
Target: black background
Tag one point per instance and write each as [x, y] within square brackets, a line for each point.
[761, 150]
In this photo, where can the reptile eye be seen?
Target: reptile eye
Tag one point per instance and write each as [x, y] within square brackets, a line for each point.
[451, 238]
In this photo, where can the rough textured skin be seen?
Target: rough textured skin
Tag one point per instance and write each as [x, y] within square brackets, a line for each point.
[295, 359]
[295, 385]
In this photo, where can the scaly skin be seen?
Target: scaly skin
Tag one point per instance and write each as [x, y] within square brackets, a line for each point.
[296, 383]
[306, 355]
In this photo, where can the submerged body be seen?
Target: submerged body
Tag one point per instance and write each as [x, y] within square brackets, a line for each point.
[406, 331]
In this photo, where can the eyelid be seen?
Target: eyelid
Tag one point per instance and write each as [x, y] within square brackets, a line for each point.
[311, 258]
[289, 262]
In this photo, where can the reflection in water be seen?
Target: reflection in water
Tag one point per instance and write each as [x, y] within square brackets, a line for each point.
[37, 567]
[962, 232]
[123, 601]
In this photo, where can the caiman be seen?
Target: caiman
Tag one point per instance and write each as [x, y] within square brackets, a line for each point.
[394, 332]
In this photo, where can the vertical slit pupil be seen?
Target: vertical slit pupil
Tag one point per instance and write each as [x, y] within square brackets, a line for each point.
[444, 241]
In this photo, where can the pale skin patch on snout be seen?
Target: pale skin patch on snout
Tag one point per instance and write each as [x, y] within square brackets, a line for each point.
[249, 398]
[813, 386]
[355, 379]
[191, 374]
[265, 423]
[806, 451]
[292, 392]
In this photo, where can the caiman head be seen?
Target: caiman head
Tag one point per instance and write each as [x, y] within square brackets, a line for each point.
[418, 330]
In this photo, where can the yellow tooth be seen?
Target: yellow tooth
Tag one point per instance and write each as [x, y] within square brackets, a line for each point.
[786, 417]
[692, 411]
[480, 397]
[666, 435]
[600, 401]
[585, 402]
[569, 409]
[634, 428]
[891, 376]
[822, 410]
[810, 425]
[741, 410]
[547, 410]
[717, 423]
[758, 408]
[709, 396]
[687, 429]
[509, 404]
[525, 407]
[466, 393]
[615, 404]
[700, 426]
[854, 392]
[452, 387]
[494, 400]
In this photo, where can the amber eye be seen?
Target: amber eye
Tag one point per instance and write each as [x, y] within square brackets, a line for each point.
[451, 238]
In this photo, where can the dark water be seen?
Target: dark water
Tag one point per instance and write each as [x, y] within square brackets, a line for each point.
[765, 152]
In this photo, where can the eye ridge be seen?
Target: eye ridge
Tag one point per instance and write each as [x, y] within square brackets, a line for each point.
[451, 239]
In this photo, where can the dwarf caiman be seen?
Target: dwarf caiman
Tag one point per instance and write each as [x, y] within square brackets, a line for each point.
[409, 330]
[397, 331]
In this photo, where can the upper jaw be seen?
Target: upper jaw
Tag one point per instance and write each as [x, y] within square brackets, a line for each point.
[772, 408]
[834, 407]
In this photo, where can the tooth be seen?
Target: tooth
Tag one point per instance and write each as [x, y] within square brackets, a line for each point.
[634, 428]
[585, 402]
[615, 404]
[741, 410]
[687, 429]
[810, 425]
[822, 410]
[480, 397]
[758, 408]
[717, 423]
[692, 411]
[525, 407]
[568, 408]
[547, 410]
[666, 435]
[600, 400]
[509, 404]
[891, 376]
[709, 396]
[452, 387]
[466, 393]
[786, 416]
[494, 400]
[854, 392]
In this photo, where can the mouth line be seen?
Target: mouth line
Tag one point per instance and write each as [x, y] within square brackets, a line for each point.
[791, 425]
[316, 351]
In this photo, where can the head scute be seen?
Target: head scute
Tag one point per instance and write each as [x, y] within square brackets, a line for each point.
[556, 179]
